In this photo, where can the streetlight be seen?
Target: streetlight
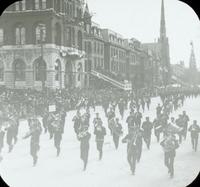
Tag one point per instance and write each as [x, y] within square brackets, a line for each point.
[42, 63]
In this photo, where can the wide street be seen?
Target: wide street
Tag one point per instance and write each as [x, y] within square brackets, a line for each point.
[16, 168]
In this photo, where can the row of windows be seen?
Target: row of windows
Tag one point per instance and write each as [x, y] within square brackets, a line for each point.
[117, 53]
[38, 4]
[40, 35]
[98, 48]
[117, 66]
[115, 39]
[98, 63]
[19, 68]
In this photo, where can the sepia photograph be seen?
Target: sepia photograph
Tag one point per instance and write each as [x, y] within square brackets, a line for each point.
[99, 93]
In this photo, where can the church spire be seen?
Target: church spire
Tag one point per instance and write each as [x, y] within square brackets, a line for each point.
[162, 22]
[192, 58]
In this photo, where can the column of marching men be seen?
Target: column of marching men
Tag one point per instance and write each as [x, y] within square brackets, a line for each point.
[139, 131]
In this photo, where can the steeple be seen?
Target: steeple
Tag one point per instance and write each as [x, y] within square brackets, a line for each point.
[192, 58]
[162, 22]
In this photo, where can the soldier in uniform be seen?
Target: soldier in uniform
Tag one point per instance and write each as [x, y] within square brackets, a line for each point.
[121, 106]
[45, 121]
[2, 135]
[130, 120]
[11, 132]
[84, 138]
[133, 140]
[110, 116]
[117, 132]
[97, 120]
[157, 128]
[58, 131]
[62, 119]
[185, 119]
[194, 130]
[158, 110]
[138, 118]
[147, 127]
[77, 122]
[169, 144]
[34, 133]
[180, 123]
[100, 132]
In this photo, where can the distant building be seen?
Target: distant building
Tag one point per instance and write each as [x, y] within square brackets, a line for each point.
[179, 70]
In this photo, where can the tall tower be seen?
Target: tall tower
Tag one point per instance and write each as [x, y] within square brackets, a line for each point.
[193, 73]
[192, 59]
[164, 48]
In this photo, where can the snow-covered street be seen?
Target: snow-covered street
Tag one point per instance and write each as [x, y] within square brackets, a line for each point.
[66, 171]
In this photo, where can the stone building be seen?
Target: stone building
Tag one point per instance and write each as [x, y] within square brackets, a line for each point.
[42, 44]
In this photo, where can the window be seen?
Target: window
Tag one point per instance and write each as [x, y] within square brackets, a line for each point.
[57, 70]
[40, 70]
[1, 71]
[37, 4]
[1, 37]
[40, 33]
[44, 4]
[19, 70]
[20, 35]
[23, 5]
[17, 6]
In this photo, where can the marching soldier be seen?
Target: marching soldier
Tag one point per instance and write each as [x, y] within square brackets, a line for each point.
[97, 120]
[194, 130]
[158, 110]
[117, 132]
[147, 128]
[11, 132]
[77, 122]
[84, 138]
[45, 121]
[2, 135]
[100, 132]
[34, 133]
[180, 123]
[138, 118]
[62, 119]
[170, 144]
[110, 116]
[121, 106]
[157, 128]
[130, 120]
[133, 140]
[58, 131]
[185, 119]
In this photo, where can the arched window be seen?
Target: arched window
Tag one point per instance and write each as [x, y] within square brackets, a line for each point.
[37, 4]
[73, 36]
[44, 4]
[40, 70]
[40, 33]
[1, 36]
[57, 70]
[1, 71]
[80, 70]
[17, 6]
[19, 68]
[80, 41]
[58, 34]
[20, 35]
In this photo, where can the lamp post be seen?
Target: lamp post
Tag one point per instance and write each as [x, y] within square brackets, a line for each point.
[42, 64]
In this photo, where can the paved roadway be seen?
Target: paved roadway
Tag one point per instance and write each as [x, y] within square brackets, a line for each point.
[16, 168]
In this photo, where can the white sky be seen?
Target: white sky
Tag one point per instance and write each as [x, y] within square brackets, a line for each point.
[141, 19]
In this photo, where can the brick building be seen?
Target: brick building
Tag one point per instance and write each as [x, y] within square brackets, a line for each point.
[42, 44]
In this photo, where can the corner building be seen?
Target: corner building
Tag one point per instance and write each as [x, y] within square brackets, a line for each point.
[41, 44]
